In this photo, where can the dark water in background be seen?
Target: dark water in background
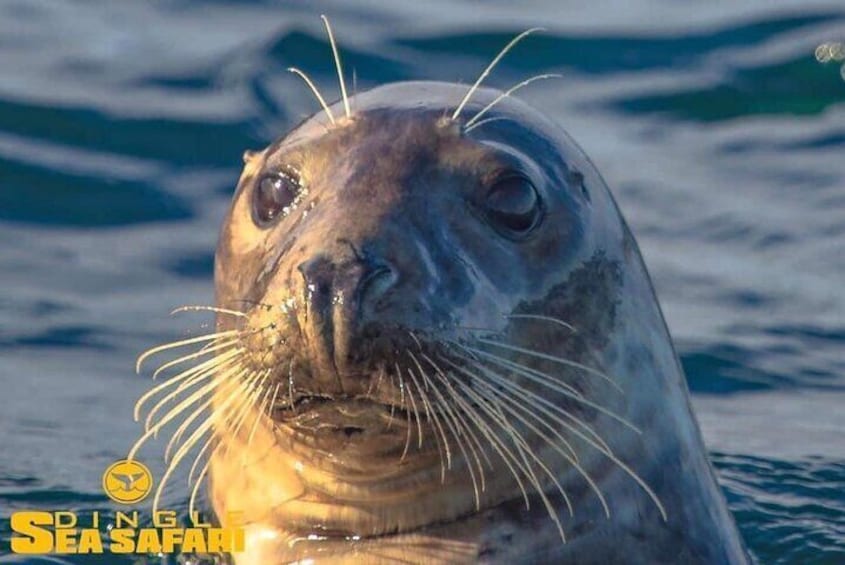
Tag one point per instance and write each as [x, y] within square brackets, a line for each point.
[121, 130]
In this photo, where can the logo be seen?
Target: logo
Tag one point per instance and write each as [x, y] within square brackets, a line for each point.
[127, 481]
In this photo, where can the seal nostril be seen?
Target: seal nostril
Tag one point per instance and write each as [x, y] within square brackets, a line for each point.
[378, 280]
[352, 430]
[317, 273]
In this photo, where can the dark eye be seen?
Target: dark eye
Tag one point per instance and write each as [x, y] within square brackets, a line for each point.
[275, 195]
[513, 204]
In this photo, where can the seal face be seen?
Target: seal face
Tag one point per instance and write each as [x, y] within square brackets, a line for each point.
[451, 351]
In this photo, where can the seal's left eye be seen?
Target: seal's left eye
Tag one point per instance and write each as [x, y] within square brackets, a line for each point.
[274, 195]
[513, 205]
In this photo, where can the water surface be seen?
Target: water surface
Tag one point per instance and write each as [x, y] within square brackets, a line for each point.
[121, 131]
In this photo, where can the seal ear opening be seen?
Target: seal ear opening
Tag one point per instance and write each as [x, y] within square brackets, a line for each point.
[249, 155]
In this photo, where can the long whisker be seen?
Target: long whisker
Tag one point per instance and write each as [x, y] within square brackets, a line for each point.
[489, 68]
[432, 417]
[273, 397]
[511, 406]
[202, 352]
[209, 365]
[526, 449]
[260, 412]
[445, 380]
[602, 449]
[547, 381]
[474, 444]
[199, 378]
[183, 450]
[542, 404]
[243, 390]
[553, 358]
[195, 490]
[499, 446]
[469, 125]
[145, 355]
[480, 123]
[407, 415]
[232, 419]
[316, 92]
[454, 425]
[338, 65]
[557, 321]
[215, 309]
[494, 412]
[172, 413]
[416, 416]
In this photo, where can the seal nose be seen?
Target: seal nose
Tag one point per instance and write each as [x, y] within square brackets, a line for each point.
[356, 284]
[339, 299]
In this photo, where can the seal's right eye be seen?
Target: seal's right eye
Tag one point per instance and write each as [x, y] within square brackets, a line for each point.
[513, 205]
[274, 195]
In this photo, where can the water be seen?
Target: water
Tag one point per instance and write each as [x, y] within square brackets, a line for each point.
[121, 130]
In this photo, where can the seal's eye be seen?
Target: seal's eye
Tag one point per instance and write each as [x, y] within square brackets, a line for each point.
[274, 195]
[513, 204]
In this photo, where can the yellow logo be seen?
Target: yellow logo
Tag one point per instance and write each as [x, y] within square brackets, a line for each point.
[127, 482]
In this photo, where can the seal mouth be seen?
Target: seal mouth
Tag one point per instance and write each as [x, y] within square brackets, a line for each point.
[350, 416]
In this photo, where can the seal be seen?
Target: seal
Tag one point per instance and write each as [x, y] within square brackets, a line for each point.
[437, 342]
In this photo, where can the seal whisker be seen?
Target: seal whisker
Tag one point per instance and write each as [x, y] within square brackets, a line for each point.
[195, 490]
[232, 419]
[511, 44]
[464, 428]
[432, 416]
[407, 415]
[491, 407]
[174, 439]
[552, 358]
[209, 373]
[552, 319]
[181, 343]
[248, 390]
[183, 450]
[547, 381]
[274, 396]
[208, 366]
[416, 413]
[392, 404]
[446, 381]
[198, 378]
[454, 426]
[316, 92]
[469, 125]
[151, 431]
[537, 376]
[203, 308]
[480, 123]
[202, 352]
[526, 449]
[338, 66]
[540, 403]
[511, 406]
[495, 378]
[260, 413]
[601, 448]
[291, 401]
[498, 445]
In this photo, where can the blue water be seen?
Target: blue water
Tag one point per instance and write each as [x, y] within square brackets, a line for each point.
[121, 130]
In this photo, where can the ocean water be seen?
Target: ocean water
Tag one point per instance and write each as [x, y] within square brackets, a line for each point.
[723, 137]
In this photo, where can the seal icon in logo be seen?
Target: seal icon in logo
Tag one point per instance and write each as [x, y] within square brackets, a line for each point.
[127, 481]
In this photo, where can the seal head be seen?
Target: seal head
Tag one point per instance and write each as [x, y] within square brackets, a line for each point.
[451, 348]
